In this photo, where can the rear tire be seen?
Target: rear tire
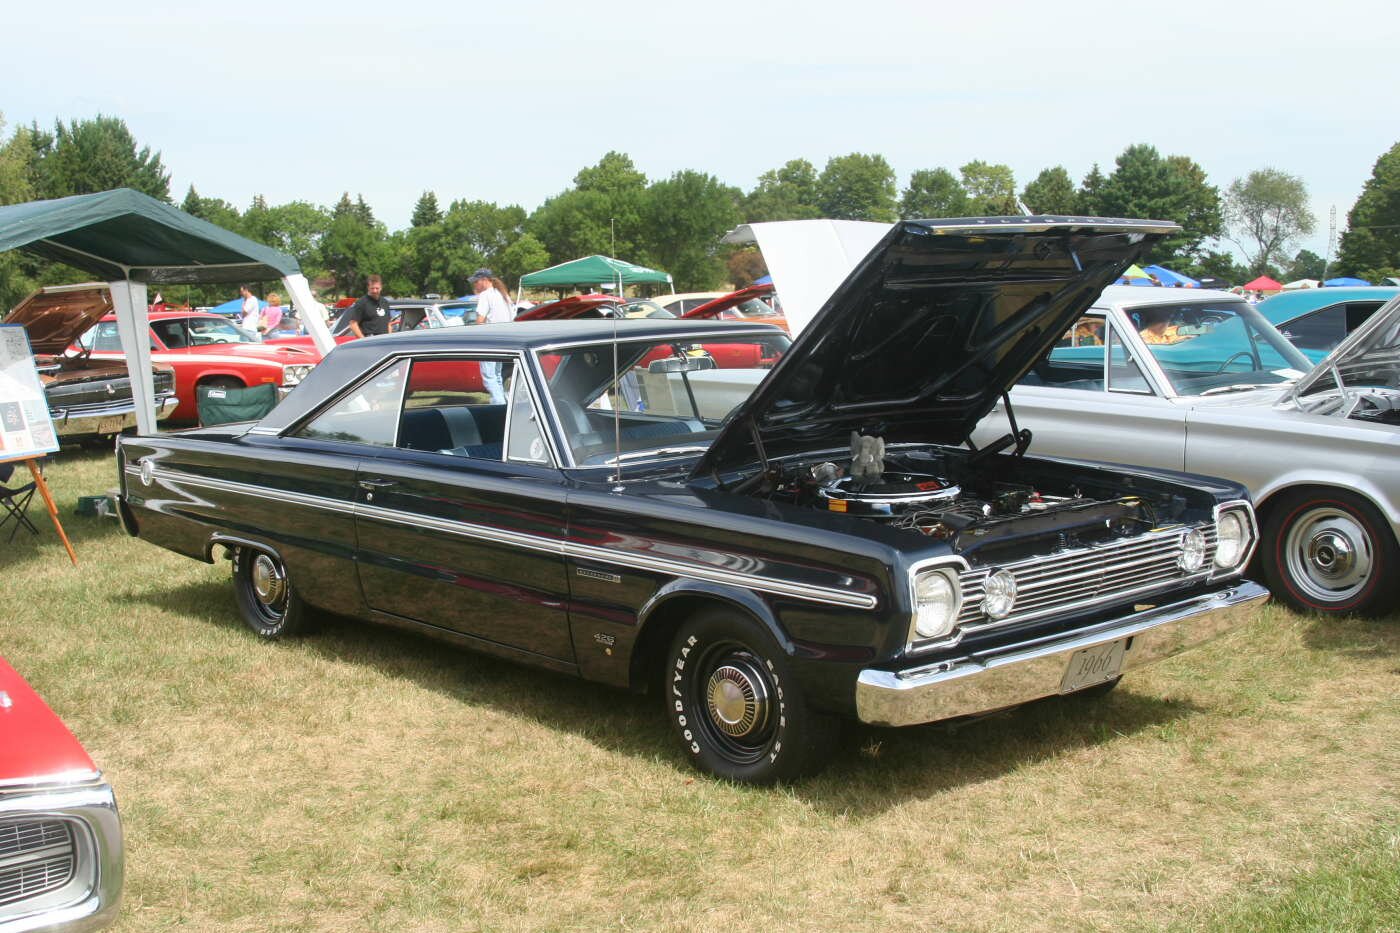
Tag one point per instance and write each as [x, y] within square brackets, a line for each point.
[266, 599]
[737, 709]
[1330, 551]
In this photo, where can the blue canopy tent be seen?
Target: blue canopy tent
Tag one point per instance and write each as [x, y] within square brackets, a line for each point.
[766, 280]
[1344, 282]
[234, 307]
[1171, 279]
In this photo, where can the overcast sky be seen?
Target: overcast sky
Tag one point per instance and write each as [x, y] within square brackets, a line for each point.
[505, 104]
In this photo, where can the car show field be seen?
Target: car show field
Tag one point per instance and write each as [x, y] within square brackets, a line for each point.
[1248, 784]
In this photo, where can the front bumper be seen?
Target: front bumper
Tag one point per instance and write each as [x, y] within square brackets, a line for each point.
[89, 900]
[1014, 674]
[75, 423]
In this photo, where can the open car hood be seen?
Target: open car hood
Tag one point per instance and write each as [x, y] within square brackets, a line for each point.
[713, 309]
[1368, 358]
[571, 307]
[929, 330]
[56, 316]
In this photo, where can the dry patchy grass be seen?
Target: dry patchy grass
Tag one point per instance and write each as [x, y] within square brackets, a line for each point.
[366, 779]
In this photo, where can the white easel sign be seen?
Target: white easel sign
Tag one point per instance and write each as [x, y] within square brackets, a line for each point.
[26, 429]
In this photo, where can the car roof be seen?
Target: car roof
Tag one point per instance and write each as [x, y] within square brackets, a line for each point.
[1136, 296]
[1285, 306]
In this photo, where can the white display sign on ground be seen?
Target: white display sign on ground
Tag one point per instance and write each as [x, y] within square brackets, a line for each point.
[26, 429]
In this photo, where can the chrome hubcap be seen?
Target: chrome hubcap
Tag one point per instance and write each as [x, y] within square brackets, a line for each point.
[737, 697]
[1329, 554]
[269, 581]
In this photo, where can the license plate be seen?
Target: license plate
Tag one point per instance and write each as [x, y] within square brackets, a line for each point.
[1090, 666]
[112, 425]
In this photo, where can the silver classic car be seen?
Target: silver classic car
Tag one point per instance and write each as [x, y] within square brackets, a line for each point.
[1200, 381]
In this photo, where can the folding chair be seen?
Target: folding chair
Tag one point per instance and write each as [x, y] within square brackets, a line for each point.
[219, 405]
[15, 500]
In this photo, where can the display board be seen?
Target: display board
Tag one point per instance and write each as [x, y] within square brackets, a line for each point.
[26, 429]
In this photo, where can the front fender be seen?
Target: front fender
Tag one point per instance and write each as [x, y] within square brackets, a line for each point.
[1363, 485]
[738, 597]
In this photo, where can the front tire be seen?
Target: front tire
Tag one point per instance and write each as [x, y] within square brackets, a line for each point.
[266, 599]
[1330, 551]
[736, 708]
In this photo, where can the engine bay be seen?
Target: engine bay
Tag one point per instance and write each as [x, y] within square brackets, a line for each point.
[979, 510]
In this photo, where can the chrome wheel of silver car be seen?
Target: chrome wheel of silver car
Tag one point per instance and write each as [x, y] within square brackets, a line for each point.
[1329, 551]
[1329, 554]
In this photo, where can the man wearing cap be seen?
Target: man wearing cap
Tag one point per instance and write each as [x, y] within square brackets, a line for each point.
[369, 315]
[491, 308]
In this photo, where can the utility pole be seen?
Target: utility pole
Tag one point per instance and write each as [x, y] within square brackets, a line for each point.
[1331, 240]
[612, 227]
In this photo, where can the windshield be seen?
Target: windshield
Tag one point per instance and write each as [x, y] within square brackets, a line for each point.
[1216, 346]
[665, 398]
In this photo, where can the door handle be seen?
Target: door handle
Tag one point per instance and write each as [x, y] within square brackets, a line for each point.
[370, 485]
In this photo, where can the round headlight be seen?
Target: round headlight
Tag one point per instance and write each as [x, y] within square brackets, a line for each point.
[935, 604]
[1231, 540]
[1193, 551]
[1000, 595]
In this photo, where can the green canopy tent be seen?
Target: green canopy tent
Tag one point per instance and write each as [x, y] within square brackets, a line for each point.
[131, 239]
[594, 270]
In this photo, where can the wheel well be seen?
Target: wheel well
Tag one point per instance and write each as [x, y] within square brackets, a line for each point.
[660, 628]
[220, 379]
[1266, 508]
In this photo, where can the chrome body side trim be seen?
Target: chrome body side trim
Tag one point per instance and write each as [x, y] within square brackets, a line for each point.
[611, 556]
[90, 900]
[1014, 674]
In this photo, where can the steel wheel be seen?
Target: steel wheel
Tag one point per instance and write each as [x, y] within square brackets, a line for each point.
[266, 599]
[736, 707]
[1330, 552]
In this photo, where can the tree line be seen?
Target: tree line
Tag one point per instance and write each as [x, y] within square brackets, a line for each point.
[675, 223]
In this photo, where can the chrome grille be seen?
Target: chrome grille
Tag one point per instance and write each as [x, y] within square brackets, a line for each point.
[1085, 576]
[36, 857]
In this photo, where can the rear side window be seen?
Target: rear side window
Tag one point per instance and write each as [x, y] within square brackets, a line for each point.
[1320, 330]
[368, 414]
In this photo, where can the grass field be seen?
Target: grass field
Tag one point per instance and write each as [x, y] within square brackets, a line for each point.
[363, 779]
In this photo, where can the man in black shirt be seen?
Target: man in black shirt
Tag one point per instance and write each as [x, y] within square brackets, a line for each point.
[369, 316]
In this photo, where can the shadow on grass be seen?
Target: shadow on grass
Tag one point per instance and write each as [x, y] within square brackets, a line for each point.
[1354, 636]
[82, 531]
[870, 770]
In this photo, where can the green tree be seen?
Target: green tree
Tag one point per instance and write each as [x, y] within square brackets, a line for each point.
[1145, 185]
[426, 211]
[686, 215]
[745, 266]
[1220, 264]
[1051, 192]
[296, 227]
[1267, 211]
[1306, 265]
[95, 155]
[602, 213]
[354, 245]
[991, 189]
[215, 210]
[1086, 202]
[785, 193]
[933, 193]
[524, 255]
[857, 187]
[1371, 244]
[16, 157]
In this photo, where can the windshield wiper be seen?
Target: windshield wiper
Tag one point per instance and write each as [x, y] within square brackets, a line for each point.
[660, 452]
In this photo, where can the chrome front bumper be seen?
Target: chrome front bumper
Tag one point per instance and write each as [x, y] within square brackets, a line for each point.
[89, 900]
[101, 422]
[1015, 674]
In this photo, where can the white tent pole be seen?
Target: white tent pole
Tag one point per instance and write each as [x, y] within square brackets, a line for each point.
[313, 313]
[134, 329]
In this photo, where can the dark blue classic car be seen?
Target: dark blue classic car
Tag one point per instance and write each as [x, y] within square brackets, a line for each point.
[770, 536]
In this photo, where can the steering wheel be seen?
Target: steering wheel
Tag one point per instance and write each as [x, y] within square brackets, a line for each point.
[1247, 354]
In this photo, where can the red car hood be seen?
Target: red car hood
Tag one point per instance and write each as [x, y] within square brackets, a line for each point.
[276, 352]
[712, 309]
[571, 307]
[35, 745]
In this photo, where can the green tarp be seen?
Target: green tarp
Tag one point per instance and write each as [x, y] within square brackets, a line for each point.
[125, 234]
[593, 270]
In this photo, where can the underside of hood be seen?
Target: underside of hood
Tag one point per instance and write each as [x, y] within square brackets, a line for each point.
[56, 316]
[929, 330]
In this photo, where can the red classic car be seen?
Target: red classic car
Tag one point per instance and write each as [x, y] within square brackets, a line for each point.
[746, 304]
[208, 350]
[61, 852]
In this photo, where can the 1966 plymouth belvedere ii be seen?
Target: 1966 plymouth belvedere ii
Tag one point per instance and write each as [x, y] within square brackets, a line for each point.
[773, 538]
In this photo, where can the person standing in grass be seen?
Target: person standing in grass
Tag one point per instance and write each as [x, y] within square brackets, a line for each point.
[492, 307]
[369, 315]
